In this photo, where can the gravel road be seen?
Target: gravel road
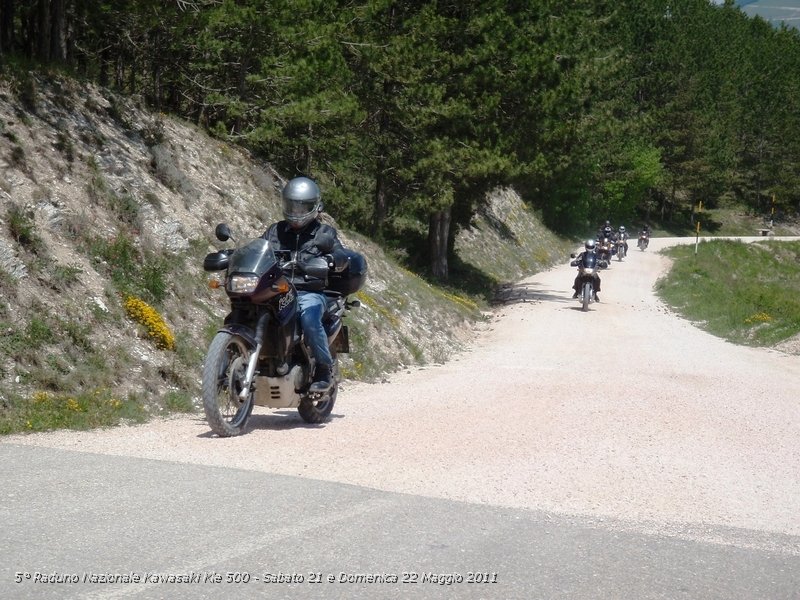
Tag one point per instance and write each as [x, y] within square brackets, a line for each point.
[625, 413]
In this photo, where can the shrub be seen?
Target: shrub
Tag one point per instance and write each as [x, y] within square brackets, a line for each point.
[22, 228]
[146, 315]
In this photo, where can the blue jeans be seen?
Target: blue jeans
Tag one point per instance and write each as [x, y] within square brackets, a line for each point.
[312, 307]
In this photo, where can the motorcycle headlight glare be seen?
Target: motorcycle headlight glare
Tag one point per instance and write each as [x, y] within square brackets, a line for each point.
[242, 284]
[588, 271]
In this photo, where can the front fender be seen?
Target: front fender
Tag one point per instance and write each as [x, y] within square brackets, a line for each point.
[244, 332]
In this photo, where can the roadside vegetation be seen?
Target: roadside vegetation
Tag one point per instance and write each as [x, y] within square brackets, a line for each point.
[744, 293]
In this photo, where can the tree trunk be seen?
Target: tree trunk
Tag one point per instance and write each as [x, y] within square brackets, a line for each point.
[7, 10]
[438, 235]
[58, 31]
[102, 76]
[43, 30]
[380, 208]
[307, 152]
[379, 215]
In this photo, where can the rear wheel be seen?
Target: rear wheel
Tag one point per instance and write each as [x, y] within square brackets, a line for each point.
[316, 408]
[223, 377]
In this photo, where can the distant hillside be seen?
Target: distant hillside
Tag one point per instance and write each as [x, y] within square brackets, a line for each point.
[774, 11]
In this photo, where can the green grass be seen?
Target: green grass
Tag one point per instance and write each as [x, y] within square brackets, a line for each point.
[723, 221]
[745, 293]
[44, 411]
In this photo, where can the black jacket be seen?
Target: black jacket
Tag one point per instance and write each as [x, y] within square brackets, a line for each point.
[312, 241]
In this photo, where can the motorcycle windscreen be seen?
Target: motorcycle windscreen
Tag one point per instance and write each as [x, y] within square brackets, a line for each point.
[254, 257]
[589, 260]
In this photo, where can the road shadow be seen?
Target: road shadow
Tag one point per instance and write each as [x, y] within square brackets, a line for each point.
[579, 308]
[285, 419]
[520, 293]
[277, 420]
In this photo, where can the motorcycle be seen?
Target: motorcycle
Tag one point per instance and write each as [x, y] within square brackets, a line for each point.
[644, 240]
[587, 271]
[621, 252]
[606, 248]
[259, 357]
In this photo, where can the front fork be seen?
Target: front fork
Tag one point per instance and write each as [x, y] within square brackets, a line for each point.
[252, 364]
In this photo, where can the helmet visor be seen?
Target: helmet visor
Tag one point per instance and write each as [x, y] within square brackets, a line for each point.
[299, 211]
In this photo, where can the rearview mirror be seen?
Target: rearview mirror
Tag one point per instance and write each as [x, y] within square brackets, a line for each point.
[223, 232]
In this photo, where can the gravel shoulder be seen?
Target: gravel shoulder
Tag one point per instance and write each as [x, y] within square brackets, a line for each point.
[626, 412]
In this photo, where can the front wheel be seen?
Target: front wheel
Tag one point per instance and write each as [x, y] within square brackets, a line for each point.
[587, 295]
[223, 376]
[314, 409]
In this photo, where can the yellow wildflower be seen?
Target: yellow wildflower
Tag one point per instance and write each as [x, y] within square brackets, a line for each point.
[146, 315]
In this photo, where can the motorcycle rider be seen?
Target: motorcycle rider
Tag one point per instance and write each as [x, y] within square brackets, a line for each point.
[589, 246]
[606, 231]
[306, 237]
[605, 243]
[623, 235]
[644, 234]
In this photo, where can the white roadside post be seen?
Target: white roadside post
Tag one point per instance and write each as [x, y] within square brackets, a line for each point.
[697, 236]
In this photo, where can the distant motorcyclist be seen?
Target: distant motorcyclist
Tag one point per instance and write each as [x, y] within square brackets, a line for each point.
[589, 246]
[623, 235]
[606, 231]
[605, 245]
[302, 233]
[644, 237]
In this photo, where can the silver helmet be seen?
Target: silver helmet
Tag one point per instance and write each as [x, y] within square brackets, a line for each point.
[589, 245]
[302, 201]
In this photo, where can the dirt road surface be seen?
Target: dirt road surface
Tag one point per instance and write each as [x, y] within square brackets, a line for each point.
[625, 412]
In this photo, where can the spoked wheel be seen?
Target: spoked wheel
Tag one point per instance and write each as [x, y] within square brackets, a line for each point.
[587, 295]
[316, 408]
[223, 376]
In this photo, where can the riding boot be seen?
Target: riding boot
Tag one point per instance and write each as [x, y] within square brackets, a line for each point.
[322, 380]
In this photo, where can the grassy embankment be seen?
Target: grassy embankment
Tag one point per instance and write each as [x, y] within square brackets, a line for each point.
[746, 293]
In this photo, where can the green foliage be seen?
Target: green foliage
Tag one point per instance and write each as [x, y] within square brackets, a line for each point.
[123, 205]
[22, 227]
[176, 401]
[133, 271]
[592, 109]
[23, 341]
[43, 411]
[65, 146]
[746, 293]
[63, 277]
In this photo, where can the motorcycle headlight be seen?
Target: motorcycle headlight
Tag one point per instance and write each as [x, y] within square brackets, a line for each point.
[588, 271]
[242, 284]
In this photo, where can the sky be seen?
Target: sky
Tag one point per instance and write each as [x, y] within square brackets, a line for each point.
[774, 11]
